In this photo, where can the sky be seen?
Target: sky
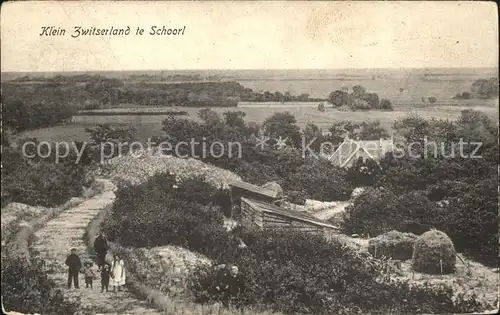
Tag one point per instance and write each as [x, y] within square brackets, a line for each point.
[251, 35]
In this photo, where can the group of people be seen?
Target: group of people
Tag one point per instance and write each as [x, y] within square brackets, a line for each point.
[112, 274]
[229, 284]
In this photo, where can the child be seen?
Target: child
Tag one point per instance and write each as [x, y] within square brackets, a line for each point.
[118, 271]
[105, 275]
[89, 274]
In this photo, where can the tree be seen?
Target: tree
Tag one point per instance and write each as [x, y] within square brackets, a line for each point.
[372, 99]
[358, 91]
[485, 88]
[360, 104]
[373, 130]
[312, 132]
[304, 97]
[463, 96]
[341, 129]
[338, 98]
[234, 118]
[209, 117]
[432, 99]
[321, 107]
[287, 97]
[278, 96]
[412, 127]
[385, 104]
[283, 125]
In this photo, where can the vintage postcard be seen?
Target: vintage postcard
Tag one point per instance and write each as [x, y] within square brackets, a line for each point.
[249, 157]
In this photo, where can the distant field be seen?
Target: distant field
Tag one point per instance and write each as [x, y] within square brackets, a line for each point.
[150, 125]
[413, 87]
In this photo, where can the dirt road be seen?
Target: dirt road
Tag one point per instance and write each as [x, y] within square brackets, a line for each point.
[54, 241]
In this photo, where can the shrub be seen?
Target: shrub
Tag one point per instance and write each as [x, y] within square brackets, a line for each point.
[379, 210]
[256, 173]
[297, 273]
[26, 288]
[321, 181]
[289, 272]
[21, 116]
[40, 182]
[321, 107]
[394, 244]
[434, 253]
[472, 221]
[164, 210]
[363, 172]
[386, 105]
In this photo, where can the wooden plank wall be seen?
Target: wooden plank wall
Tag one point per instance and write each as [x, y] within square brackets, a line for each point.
[251, 218]
[275, 221]
[254, 219]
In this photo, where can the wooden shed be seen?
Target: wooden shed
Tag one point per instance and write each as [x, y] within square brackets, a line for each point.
[259, 215]
[239, 189]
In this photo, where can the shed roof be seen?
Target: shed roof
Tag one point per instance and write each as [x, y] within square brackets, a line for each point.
[255, 189]
[300, 216]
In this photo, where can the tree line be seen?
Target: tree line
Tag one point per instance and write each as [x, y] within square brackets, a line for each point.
[481, 89]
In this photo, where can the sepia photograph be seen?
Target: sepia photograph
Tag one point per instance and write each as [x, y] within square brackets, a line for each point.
[249, 157]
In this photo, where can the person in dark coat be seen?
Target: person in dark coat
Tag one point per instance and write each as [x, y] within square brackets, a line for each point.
[74, 265]
[230, 283]
[105, 275]
[101, 248]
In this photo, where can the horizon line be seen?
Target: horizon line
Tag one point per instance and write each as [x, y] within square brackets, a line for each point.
[259, 69]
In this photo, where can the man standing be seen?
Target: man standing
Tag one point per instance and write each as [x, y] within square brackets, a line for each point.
[74, 265]
[101, 248]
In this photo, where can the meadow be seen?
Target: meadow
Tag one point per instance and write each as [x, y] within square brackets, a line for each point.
[150, 125]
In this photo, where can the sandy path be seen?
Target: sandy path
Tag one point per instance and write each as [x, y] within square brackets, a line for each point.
[54, 242]
[327, 214]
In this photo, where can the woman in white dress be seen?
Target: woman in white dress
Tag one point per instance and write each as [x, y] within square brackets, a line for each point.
[118, 272]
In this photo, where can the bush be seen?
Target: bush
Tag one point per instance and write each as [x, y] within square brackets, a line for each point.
[321, 181]
[434, 253]
[289, 272]
[294, 273]
[394, 244]
[21, 116]
[27, 289]
[164, 210]
[363, 172]
[257, 173]
[40, 182]
[385, 105]
[379, 210]
[472, 221]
